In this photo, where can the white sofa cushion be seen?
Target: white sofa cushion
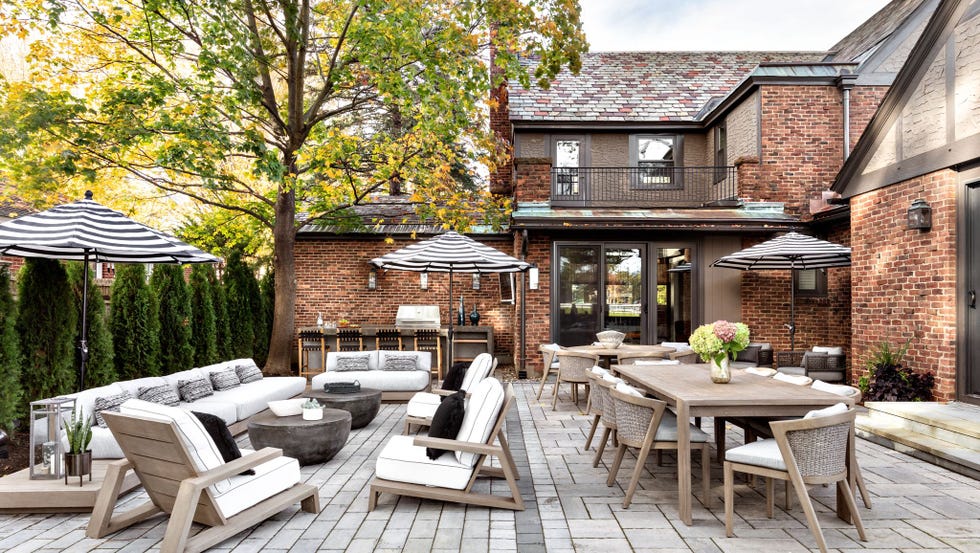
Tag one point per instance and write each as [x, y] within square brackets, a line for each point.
[249, 399]
[193, 374]
[386, 381]
[763, 453]
[244, 491]
[133, 386]
[402, 461]
[482, 409]
[85, 400]
[225, 410]
[479, 368]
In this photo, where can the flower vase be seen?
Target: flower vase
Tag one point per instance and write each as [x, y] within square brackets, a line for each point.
[461, 314]
[720, 372]
[474, 316]
[313, 414]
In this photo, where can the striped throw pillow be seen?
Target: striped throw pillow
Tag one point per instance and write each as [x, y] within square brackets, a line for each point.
[248, 373]
[400, 363]
[193, 390]
[109, 403]
[225, 380]
[163, 394]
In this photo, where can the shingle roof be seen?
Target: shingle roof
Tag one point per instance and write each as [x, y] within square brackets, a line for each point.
[874, 30]
[385, 215]
[641, 86]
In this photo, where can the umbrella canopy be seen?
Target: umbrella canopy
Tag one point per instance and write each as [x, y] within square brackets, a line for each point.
[88, 231]
[792, 251]
[450, 252]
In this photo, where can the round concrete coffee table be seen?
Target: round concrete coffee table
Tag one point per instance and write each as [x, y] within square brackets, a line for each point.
[363, 405]
[309, 442]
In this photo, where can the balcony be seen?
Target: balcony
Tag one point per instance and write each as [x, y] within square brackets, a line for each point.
[665, 186]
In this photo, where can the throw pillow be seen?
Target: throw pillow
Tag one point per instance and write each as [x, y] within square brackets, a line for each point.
[193, 390]
[447, 421]
[248, 373]
[400, 363]
[353, 363]
[221, 436]
[454, 378]
[163, 394]
[225, 380]
[749, 354]
[109, 403]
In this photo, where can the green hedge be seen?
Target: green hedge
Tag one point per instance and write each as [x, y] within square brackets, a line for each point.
[239, 284]
[174, 312]
[203, 325]
[10, 360]
[134, 324]
[100, 369]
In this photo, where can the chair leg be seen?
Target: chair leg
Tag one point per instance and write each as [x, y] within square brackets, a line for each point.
[860, 484]
[554, 399]
[544, 380]
[595, 424]
[729, 498]
[720, 439]
[852, 505]
[617, 462]
[811, 515]
[788, 497]
[641, 459]
[602, 446]
[660, 457]
[770, 500]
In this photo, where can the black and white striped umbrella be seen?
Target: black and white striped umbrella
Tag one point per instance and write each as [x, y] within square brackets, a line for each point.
[88, 231]
[450, 252]
[792, 251]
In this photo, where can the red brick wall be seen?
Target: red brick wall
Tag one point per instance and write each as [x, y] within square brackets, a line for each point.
[904, 281]
[533, 179]
[501, 180]
[538, 301]
[331, 278]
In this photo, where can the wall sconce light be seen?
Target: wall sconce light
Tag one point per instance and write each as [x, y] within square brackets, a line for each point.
[476, 281]
[920, 215]
[532, 278]
[372, 279]
[424, 281]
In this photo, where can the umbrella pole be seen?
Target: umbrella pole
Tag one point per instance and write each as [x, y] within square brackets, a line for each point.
[83, 343]
[792, 309]
[449, 340]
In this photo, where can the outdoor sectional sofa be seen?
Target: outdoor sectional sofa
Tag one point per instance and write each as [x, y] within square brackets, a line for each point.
[398, 374]
[232, 405]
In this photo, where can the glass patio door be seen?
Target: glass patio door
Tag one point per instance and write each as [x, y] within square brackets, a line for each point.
[623, 301]
[577, 302]
[674, 294]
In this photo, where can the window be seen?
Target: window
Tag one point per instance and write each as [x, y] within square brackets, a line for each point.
[721, 152]
[811, 282]
[568, 159]
[653, 156]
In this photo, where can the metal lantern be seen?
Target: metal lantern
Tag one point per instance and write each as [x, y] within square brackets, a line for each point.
[920, 215]
[46, 458]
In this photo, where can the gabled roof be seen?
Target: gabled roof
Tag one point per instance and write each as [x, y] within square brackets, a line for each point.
[872, 32]
[642, 86]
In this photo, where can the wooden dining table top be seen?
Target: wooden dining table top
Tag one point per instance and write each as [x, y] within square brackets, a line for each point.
[627, 349]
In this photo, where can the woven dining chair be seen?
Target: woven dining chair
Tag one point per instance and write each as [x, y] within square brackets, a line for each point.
[811, 450]
[548, 352]
[572, 367]
[644, 423]
[607, 414]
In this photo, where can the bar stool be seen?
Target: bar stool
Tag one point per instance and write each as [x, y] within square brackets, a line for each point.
[428, 339]
[389, 339]
[349, 339]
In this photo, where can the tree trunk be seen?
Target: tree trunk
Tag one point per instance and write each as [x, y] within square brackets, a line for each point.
[284, 262]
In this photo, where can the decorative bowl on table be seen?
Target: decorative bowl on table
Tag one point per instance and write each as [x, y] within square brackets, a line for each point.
[287, 407]
[610, 339]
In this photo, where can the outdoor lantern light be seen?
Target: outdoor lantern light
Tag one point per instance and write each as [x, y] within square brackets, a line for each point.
[424, 281]
[476, 281]
[920, 215]
[372, 280]
[532, 278]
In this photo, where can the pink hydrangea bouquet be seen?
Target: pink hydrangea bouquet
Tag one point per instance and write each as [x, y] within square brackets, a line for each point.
[719, 340]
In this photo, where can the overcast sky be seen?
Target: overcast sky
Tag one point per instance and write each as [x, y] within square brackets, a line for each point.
[722, 24]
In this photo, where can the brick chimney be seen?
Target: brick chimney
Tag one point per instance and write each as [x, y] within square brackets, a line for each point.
[501, 180]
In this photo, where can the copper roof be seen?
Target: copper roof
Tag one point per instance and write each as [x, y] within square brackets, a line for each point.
[642, 86]
[761, 215]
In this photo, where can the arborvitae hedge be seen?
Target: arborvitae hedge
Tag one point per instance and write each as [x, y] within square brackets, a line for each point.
[100, 369]
[10, 360]
[203, 325]
[174, 310]
[46, 326]
[222, 329]
[239, 282]
[134, 324]
[260, 330]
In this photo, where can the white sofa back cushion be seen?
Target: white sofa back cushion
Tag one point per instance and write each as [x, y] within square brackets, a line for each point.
[85, 400]
[482, 409]
[828, 350]
[332, 357]
[174, 379]
[479, 369]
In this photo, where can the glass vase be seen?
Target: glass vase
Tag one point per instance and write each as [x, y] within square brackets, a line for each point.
[720, 372]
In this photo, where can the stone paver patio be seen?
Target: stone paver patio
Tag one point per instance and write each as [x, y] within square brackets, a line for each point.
[916, 506]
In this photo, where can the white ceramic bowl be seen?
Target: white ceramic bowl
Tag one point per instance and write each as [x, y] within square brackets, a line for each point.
[287, 407]
[610, 339]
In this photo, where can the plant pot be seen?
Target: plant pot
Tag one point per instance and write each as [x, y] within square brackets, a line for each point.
[313, 414]
[78, 464]
[720, 372]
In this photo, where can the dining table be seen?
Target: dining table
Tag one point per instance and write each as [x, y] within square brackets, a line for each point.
[688, 389]
[609, 354]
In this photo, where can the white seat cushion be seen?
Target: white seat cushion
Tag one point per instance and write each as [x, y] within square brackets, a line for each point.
[482, 409]
[837, 389]
[761, 371]
[667, 431]
[835, 409]
[225, 410]
[763, 453]
[402, 461]
[246, 490]
[625, 388]
[599, 371]
[254, 397]
[423, 405]
[386, 381]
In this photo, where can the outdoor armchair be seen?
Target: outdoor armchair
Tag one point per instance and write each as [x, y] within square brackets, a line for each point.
[423, 405]
[571, 368]
[550, 367]
[820, 363]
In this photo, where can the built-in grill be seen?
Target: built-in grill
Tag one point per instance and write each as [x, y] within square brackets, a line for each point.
[417, 316]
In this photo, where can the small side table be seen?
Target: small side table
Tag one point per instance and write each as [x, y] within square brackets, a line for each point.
[363, 405]
[310, 442]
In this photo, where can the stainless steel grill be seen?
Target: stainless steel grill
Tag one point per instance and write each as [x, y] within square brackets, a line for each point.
[417, 316]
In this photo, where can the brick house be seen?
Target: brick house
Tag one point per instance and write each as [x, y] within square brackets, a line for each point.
[631, 177]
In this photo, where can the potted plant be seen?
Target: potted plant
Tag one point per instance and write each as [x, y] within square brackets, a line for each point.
[888, 380]
[78, 458]
[312, 411]
[717, 343]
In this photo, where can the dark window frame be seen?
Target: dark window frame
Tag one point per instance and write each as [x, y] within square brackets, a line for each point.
[820, 284]
[721, 151]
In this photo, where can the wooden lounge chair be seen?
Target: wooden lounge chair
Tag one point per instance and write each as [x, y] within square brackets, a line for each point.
[404, 469]
[179, 472]
[423, 405]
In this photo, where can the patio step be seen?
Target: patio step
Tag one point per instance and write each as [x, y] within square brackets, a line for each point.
[947, 435]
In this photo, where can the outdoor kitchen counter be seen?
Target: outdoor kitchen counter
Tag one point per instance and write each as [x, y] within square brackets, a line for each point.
[470, 340]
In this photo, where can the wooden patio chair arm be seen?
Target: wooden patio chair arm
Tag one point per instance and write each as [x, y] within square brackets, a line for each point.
[456, 445]
[237, 466]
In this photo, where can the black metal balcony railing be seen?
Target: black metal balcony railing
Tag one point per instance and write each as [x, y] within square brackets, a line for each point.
[642, 186]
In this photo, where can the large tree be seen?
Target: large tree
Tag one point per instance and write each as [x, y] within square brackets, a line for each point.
[289, 112]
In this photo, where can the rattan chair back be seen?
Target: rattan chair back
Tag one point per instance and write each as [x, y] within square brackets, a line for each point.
[573, 365]
[608, 413]
[632, 358]
[816, 446]
[637, 418]
[596, 396]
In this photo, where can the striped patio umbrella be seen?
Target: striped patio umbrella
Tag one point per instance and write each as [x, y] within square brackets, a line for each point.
[792, 251]
[450, 252]
[87, 231]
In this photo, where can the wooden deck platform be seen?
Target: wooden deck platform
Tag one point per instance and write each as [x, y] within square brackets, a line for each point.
[20, 494]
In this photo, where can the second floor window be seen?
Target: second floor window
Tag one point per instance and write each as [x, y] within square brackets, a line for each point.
[721, 152]
[568, 159]
[655, 161]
